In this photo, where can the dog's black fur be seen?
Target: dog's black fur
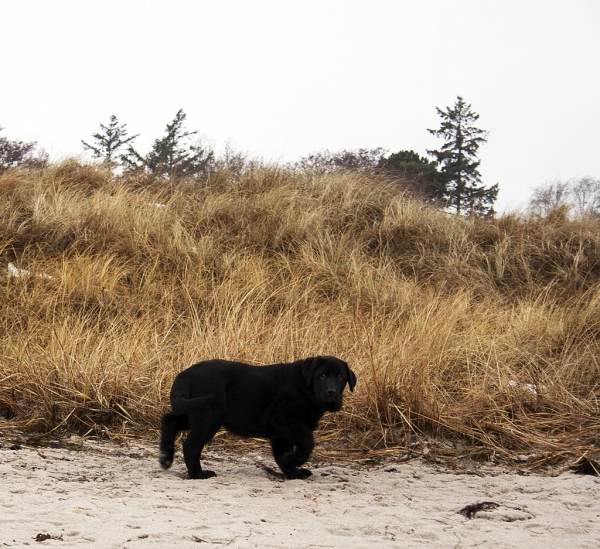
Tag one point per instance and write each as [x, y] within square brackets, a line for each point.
[281, 402]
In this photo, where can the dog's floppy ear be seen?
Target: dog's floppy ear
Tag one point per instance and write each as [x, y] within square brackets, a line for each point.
[309, 365]
[351, 378]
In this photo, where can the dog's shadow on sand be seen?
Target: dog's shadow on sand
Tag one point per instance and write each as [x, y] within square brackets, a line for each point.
[272, 474]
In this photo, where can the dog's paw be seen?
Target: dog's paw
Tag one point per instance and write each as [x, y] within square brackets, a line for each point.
[165, 458]
[298, 474]
[203, 474]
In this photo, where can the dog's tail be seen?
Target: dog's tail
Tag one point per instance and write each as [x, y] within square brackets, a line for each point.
[184, 406]
[181, 401]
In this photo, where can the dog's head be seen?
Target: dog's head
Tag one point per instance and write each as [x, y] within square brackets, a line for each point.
[327, 376]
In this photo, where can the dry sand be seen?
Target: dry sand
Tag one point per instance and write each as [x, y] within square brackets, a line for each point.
[116, 496]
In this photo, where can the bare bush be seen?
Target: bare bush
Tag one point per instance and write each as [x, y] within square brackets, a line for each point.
[359, 160]
[578, 197]
[18, 153]
[585, 194]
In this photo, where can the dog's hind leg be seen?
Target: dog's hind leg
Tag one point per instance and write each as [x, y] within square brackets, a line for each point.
[171, 424]
[202, 430]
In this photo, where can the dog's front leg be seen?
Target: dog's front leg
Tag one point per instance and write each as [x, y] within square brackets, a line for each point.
[293, 450]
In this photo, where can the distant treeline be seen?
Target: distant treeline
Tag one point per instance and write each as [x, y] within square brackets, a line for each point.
[449, 178]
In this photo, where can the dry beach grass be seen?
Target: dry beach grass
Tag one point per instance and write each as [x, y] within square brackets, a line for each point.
[469, 337]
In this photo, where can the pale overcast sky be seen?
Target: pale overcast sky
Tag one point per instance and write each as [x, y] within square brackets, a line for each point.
[283, 78]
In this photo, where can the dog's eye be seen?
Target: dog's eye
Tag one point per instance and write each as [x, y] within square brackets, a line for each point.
[322, 376]
[339, 376]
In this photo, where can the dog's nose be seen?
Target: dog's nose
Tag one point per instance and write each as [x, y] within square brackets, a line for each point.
[331, 392]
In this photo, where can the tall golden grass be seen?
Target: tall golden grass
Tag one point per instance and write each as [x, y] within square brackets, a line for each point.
[469, 337]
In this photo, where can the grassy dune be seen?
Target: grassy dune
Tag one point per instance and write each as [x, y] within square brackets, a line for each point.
[469, 337]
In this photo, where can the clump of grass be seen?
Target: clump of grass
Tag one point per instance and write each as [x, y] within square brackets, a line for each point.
[468, 336]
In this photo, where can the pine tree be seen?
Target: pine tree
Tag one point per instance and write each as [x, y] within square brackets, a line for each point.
[174, 156]
[108, 143]
[417, 173]
[463, 190]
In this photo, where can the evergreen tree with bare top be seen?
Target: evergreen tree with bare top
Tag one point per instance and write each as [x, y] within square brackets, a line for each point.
[463, 190]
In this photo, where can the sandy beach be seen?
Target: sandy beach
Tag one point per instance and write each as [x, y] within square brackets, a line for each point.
[109, 495]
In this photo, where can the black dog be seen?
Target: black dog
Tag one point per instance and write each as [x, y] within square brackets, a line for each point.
[281, 402]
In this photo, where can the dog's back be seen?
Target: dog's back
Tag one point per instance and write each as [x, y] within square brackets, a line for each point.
[231, 385]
